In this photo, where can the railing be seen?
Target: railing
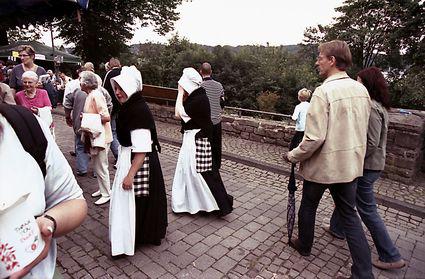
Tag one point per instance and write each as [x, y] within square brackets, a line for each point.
[167, 96]
[272, 115]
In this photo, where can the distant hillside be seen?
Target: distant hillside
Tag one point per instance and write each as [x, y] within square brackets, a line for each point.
[136, 48]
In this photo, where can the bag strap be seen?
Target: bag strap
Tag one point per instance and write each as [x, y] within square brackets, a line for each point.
[28, 131]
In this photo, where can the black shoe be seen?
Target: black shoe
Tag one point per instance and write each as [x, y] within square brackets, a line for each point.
[295, 243]
[72, 153]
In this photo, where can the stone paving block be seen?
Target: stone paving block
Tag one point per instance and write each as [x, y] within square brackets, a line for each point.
[153, 270]
[217, 251]
[250, 243]
[224, 264]
[212, 240]
[204, 262]
[237, 253]
[97, 272]
[212, 273]
[198, 249]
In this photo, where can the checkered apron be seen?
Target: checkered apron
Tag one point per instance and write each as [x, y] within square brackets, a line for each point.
[141, 179]
[203, 155]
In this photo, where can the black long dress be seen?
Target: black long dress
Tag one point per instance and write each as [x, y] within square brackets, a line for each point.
[151, 210]
[198, 108]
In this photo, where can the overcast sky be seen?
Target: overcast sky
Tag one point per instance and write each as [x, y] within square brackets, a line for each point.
[241, 22]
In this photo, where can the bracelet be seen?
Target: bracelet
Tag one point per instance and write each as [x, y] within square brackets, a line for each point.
[53, 220]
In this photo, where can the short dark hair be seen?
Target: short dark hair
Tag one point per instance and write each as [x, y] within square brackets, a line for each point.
[339, 50]
[206, 69]
[375, 83]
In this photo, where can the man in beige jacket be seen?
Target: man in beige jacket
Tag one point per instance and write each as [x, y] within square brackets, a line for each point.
[332, 153]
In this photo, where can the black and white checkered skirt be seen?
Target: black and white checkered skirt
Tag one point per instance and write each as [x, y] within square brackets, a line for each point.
[141, 179]
[203, 155]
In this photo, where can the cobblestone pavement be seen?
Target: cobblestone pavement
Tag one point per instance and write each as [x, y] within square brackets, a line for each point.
[248, 243]
[272, 154]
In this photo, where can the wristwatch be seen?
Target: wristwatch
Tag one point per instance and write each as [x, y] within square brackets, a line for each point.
[53, 220]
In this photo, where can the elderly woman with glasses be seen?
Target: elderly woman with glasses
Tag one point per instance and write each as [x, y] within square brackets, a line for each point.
[35, 99]
[27, 56]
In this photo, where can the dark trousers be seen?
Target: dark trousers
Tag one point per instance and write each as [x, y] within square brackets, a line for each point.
[344, 196]
[216, 146]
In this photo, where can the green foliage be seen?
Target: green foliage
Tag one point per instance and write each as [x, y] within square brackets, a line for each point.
[108, 24]
[245, 71]
[25, 33]
[409, 91]
[267, 101]
[385, 33]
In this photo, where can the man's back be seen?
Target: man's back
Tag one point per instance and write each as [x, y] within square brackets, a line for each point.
[214, 91]
[336, 126]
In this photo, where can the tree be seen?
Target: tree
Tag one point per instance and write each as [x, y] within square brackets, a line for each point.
[375, 28]
[108, 24]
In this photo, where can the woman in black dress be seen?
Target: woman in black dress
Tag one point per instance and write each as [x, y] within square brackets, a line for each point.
[196, 186]
[138, 211]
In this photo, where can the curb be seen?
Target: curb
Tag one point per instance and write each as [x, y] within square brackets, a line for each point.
[380, 199]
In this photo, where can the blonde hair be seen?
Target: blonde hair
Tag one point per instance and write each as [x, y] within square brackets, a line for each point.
[304, 94]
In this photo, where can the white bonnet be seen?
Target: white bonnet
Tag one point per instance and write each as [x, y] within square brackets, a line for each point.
[190, 80]
[130, 80]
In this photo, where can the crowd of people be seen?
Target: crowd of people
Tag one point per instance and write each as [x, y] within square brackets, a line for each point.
[339, 140]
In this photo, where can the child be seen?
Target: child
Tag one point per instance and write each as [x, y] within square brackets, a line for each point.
[299, 115]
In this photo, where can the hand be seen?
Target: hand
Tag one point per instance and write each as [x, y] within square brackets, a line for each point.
[39, 84]
[34, 110]
[127, 183]
[46, 227]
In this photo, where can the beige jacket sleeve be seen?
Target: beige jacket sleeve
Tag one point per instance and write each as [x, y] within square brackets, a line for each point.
[315, 129]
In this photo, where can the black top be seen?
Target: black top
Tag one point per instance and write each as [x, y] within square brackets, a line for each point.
[197, 107]
[108, 86]
[135, 114]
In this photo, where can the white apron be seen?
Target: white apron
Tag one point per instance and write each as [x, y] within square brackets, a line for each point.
[122, 209]
[190, 193]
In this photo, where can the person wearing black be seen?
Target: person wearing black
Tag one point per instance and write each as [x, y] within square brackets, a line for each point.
[215, 94]
[138, 203]
[115, 70]
[196, 185]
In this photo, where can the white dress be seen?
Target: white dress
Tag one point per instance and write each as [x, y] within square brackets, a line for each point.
[190, 193]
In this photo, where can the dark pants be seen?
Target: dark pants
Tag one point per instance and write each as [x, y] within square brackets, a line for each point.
[216, 146]
[296, 140]
[366, 205]
[344, 196]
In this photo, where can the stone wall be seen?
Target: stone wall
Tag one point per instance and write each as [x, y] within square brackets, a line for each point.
[405, 146]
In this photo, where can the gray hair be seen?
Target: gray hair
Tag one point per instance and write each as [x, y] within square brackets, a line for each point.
[30, 74]
[88, 79]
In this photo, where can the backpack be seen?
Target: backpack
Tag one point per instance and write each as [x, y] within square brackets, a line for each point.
[28, 131]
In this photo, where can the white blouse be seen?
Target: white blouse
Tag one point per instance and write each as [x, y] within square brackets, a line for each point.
[141, 140]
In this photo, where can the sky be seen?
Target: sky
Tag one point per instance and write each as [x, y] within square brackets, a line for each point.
[242, 22]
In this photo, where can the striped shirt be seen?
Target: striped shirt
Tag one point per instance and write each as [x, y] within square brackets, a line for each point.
[214, 91]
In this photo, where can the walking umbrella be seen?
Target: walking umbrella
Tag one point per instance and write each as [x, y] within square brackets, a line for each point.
[290, 217]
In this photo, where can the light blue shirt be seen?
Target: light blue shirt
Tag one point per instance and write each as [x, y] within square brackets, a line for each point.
[300, 114]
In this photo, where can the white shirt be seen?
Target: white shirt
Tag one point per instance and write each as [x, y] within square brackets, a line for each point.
[141, 140]
[20, 172]
[300, 114]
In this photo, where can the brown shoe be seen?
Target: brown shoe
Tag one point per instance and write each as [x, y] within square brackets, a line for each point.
[295, 243]
[387, 266]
